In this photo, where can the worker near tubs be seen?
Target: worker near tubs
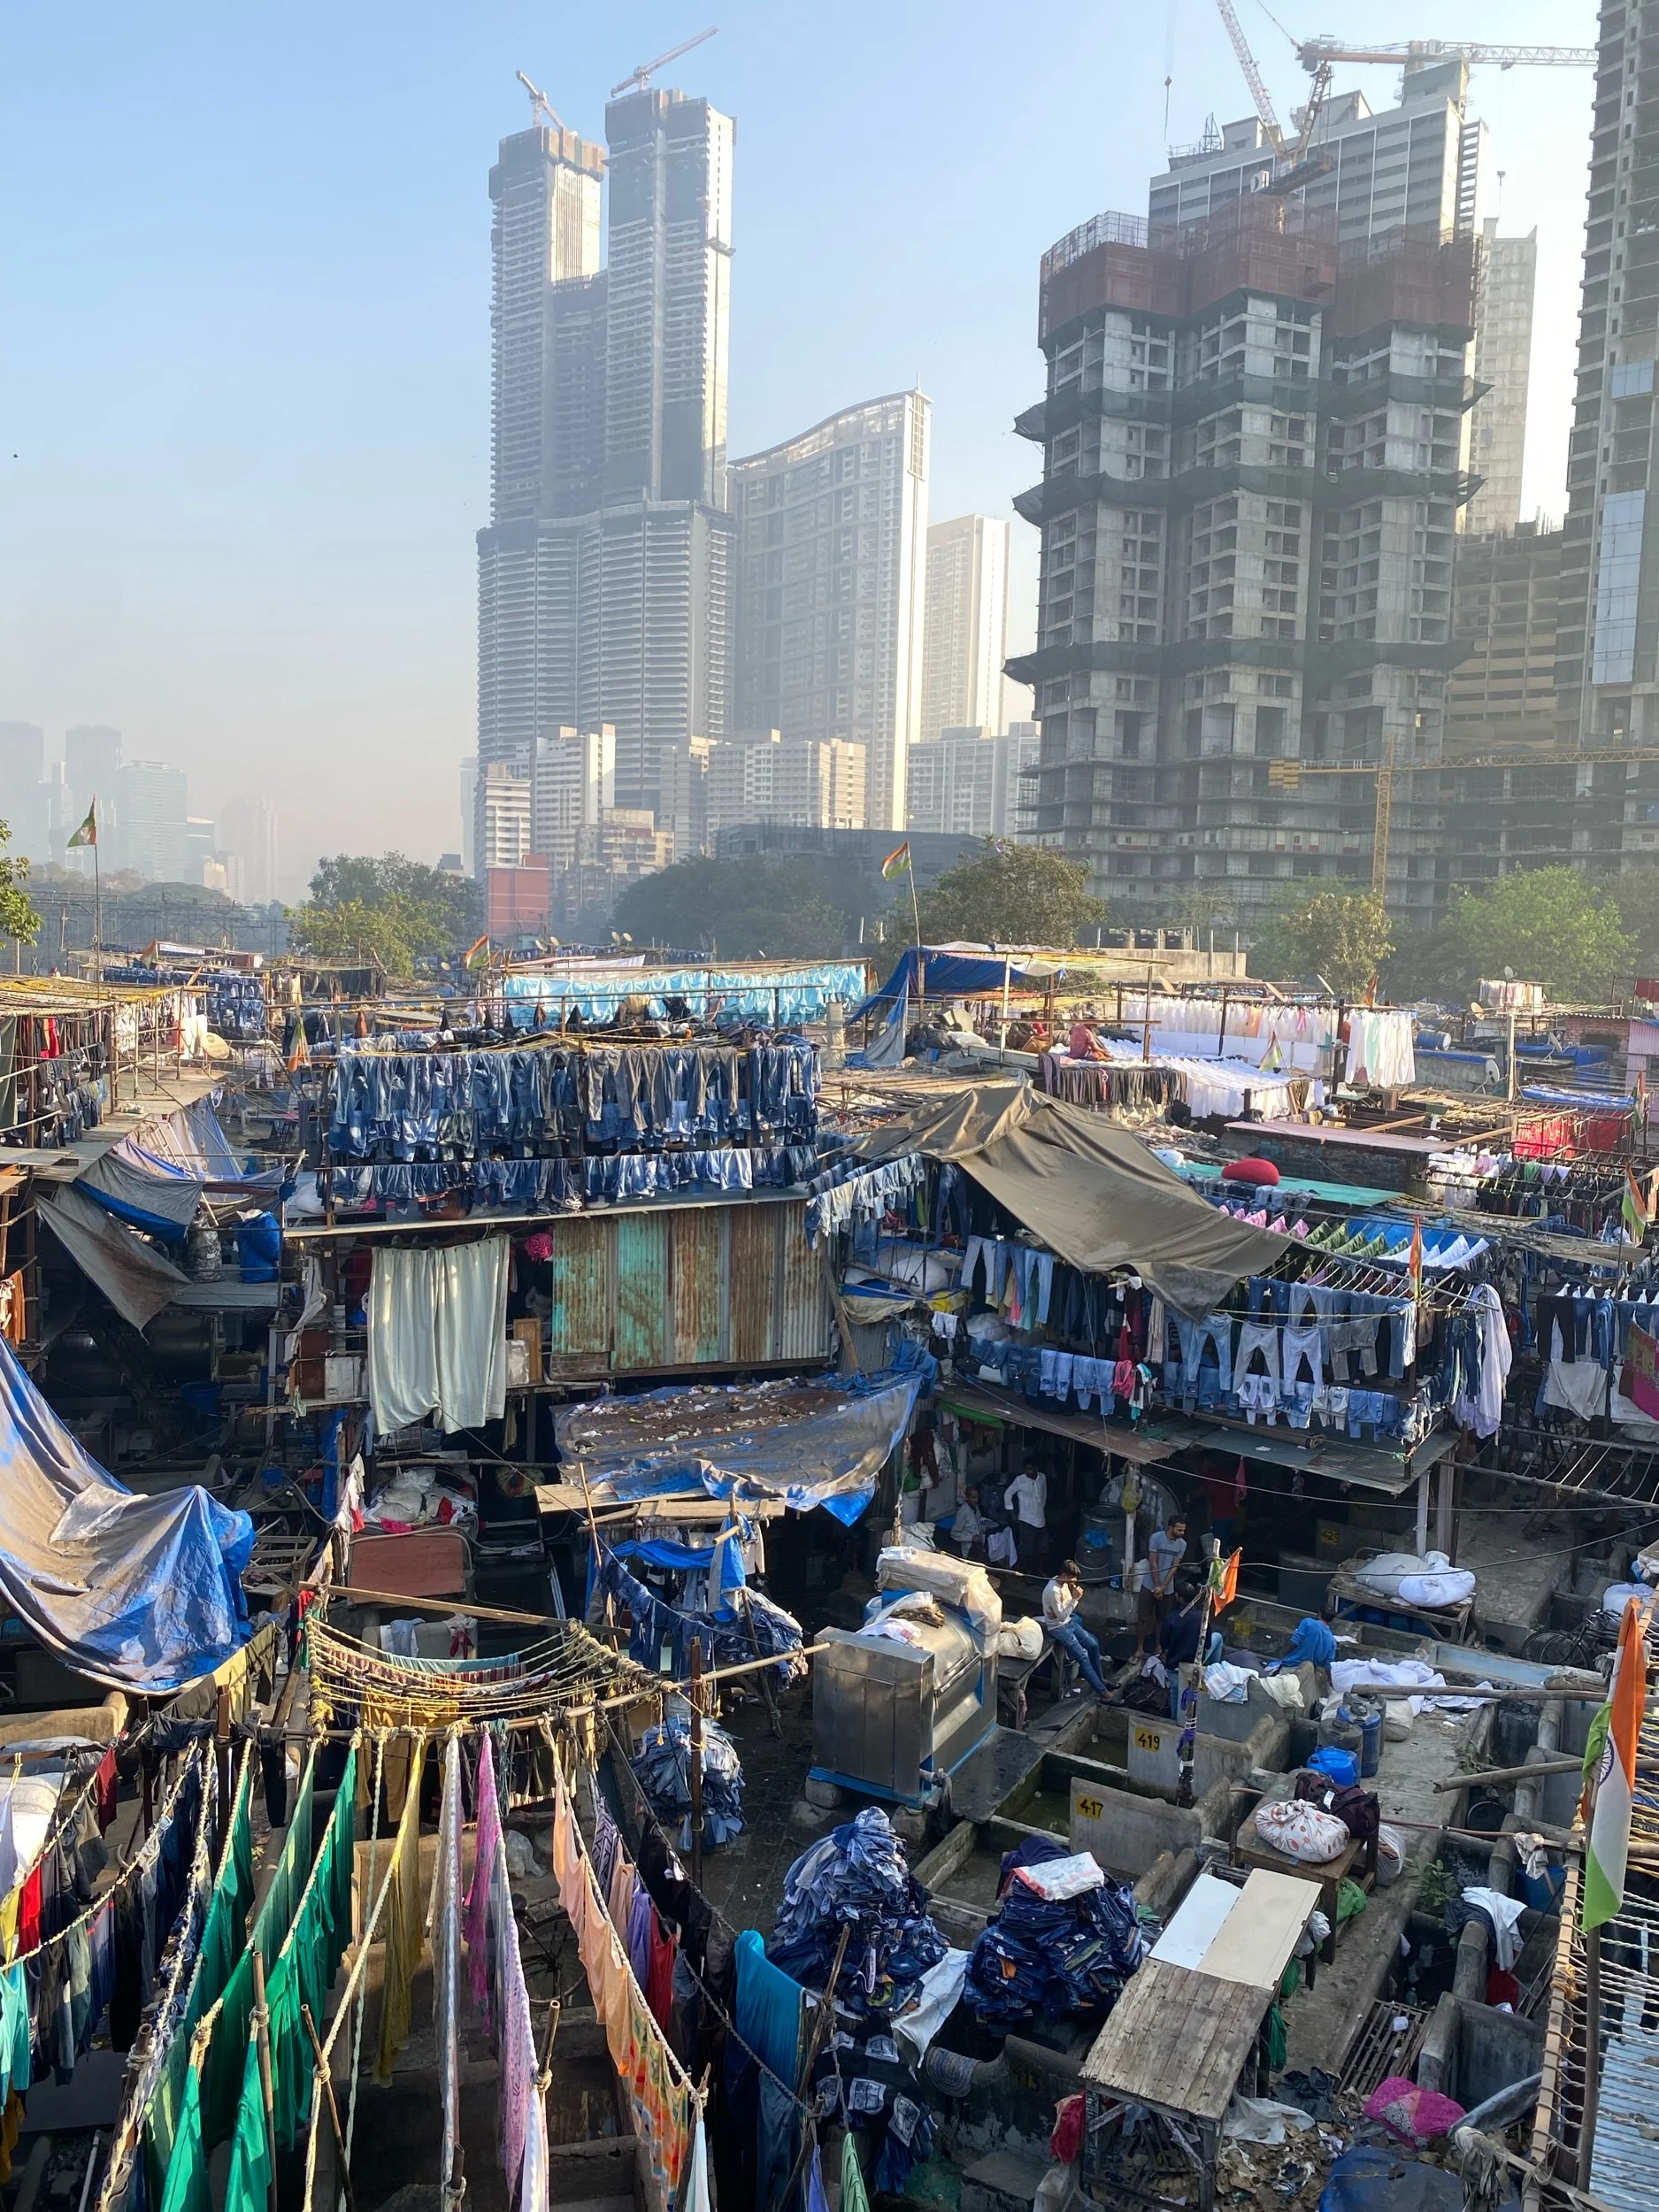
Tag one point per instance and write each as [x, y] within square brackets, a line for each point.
[1164, 1553]
[1060, 1599]
[967, 1529]
[1028, 1497]
[1178, 1637]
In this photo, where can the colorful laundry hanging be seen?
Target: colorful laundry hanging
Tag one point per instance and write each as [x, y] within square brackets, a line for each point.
[444, 1913]
[495, 1972]
[666, 2110]
[402, 1928]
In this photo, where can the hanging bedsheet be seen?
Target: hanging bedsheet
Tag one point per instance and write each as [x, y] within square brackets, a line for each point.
[437, 1334]
[139, 1592]
[780, 995]
[1292, 1038]
[137, 1280]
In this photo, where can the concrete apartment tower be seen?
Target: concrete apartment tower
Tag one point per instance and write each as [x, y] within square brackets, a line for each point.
[603, 574]
[248, 828]
[964, 640]
[1506, 276]
[1254, 454]
[1606, 666]
[832, 530]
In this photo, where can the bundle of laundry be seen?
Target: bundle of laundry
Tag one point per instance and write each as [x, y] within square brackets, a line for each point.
[857, 1878]
[1430, 1579]
[663, 1766]
[1063, 1940]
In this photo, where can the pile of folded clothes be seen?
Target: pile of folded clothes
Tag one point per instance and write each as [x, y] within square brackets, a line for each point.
[663, 1766]
[1063, 1940]
[857, 1878]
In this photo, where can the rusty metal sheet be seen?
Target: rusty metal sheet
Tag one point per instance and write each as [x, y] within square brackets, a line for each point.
[642, 1302]
[753, 1335]
[697, 1257]
[803, 1305]
[579, 1326]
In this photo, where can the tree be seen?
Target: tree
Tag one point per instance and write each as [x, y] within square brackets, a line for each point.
[1636, 894]
[1342, 936]
[350, 933]
[452, 903]
[18, 917]
[790, 909]
[1549, 926]
[1011, 894]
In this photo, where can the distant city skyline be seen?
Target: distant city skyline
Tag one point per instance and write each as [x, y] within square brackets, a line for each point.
[245, 451]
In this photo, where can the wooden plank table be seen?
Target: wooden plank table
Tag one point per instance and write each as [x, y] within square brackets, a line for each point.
[1177, 2042]
[1250, 1850]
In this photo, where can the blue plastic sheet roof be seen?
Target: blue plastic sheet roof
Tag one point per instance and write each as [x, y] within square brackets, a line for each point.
[829, 1456]
[140, 1593]
[949, 975]
[780, 995]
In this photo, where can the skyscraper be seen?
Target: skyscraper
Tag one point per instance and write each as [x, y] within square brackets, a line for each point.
[965, 638]
[247, 829]
[1506, 275]
[831, 551]
[23, 792]
[603, 576]
[152, 812]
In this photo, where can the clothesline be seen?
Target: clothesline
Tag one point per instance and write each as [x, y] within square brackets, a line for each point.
[145, 1856]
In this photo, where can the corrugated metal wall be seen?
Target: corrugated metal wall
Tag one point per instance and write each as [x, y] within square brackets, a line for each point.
[686, 1286]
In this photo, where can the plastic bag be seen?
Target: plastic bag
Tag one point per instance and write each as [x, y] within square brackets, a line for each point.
[1020, 1639]
[1301, 1832]
[1391, 1854]
[1418, 2117]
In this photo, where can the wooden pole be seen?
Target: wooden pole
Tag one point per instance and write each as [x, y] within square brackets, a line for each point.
[696, 1763]
[1591, 2049]
[262, 2030]
[1146, 1026]
[325, 2083]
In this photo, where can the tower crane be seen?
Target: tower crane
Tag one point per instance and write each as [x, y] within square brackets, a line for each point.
[1287, 775]
[1294, 152]
[539, 104]
[637, 79]
[1422, 53]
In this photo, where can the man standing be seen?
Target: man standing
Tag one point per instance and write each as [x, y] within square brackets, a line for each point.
[1029, 1497]
[1164, 1555]
[967, 1529]
[1060, 1599]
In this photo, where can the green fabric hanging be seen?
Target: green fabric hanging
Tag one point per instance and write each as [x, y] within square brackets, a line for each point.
[854, 2197]
[186, 2186]
[306, 1965]
[247, 2186]
[222, 2073]
[1278, 2039]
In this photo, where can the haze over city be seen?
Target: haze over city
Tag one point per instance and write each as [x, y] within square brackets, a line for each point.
[246, 395]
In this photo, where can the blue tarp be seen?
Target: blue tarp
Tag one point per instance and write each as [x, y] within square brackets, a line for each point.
[140, 1593]
[950, 975]
[1584, 1102]
[830, 1456]
[781, 997]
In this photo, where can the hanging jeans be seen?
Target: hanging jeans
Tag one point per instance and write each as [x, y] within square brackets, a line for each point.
[1257, 1340]
[1304, 1357]
[1215, 1332]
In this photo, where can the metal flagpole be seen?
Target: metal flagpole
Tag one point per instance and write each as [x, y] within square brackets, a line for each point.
[98, 909]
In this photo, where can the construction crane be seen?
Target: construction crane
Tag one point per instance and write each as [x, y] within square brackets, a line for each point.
[1285, 149]
[1287, 775]
[637, 79]
[539, 104]
[1422, 53]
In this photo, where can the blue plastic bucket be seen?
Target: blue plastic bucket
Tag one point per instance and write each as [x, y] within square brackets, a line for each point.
[1342, 1766]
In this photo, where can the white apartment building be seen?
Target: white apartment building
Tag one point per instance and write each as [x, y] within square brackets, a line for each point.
[805, 783]
[504, 814]
[572, 786]
[832, 530]
[967, 782]
[964, 638]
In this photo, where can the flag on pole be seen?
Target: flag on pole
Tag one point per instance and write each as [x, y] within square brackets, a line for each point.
[477, 954]
[88, 833]
[1635, 1206]
[896, 862]
[1609, 1758]
[1223, 1579]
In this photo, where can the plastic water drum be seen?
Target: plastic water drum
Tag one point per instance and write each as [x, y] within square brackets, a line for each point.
[1366, 1714]
[1338, 1766]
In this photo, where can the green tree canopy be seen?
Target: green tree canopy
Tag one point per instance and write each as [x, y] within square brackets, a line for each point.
[393, 909]
[1011, 894]
[1635, 893]
[18, 917]
[788, 908]
[1549, 926]
[349, 933]
[1340, 935]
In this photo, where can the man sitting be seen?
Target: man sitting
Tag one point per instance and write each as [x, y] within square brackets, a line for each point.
[1060, 1598]
[1084, 1043]
[1178, 1638]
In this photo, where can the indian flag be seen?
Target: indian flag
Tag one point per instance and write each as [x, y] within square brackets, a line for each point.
[88, 833]
[477, 954]
[1610, 1757]
[896, 862]
[1223, 1579]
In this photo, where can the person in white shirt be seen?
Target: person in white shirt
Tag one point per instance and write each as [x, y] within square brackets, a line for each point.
[1060, 1598]
[966, 1528]
[1028, 1495]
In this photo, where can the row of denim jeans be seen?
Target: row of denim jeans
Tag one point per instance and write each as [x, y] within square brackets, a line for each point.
[536, 1186]
[396, 1105]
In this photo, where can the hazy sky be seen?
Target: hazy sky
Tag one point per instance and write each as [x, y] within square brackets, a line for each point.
[244, 282]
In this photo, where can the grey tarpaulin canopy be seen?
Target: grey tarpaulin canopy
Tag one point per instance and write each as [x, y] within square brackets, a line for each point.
[134, 1277]
[1091, 1191]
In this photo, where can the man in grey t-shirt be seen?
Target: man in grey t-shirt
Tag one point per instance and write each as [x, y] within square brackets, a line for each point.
[1164, 1553]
